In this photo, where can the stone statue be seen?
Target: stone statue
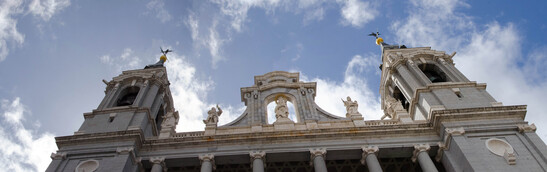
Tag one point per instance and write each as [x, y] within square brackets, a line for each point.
[213, 115]
[351, 107]
[169, 120]
[281, 110]
[392, 106]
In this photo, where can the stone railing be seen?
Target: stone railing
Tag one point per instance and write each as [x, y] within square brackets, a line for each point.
[189, 134]
[381, 122]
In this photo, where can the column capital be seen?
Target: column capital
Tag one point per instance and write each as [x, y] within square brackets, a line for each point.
[418, 148]
[207, 157]
[318, 152]
[58, 155]
[157, 160]
[367, 150]
[257, 155]
[160, 160]
[527, 128]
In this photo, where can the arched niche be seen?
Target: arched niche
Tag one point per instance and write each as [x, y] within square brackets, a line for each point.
[289, 97]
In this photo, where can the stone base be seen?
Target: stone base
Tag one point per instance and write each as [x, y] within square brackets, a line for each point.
[210, 129]
[283, 121]
[284, 124]
[166, 132]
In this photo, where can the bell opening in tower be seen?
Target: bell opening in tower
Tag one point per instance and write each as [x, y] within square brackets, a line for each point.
[433, 73]
[128, 96]
[398, 95]
[159, 117]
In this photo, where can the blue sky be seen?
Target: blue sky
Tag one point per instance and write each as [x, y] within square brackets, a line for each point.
[54, 54]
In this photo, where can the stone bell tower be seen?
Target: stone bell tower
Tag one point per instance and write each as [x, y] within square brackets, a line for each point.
[477, 133]
[416, 81]
[137, 105]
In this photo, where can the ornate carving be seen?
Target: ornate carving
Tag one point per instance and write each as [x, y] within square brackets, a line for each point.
[367, 150]
[392, 107]
[255, 94]
[58, 155]
[419, 148]
[169, 120]
[317, 152]
[527, 128]
[157, 160]
[257, 155]
[455, 131]
[351, 107]
[302, 90]
[124, 150]
[213, 115]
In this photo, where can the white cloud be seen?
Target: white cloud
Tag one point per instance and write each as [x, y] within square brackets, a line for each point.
[158, 7]
[488, 53]
[47, 8]
[11, 9]
[357, 13]
[214, 43]
[329, 93]
[126, 60]
[193, 24]
[8, 26]
[189, 93]
[314, 15]
[21, 148]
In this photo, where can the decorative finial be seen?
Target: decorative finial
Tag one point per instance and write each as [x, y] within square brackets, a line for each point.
[162, 60]
[379, 41]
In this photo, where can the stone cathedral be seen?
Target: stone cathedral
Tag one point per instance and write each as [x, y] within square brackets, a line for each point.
[435, 119]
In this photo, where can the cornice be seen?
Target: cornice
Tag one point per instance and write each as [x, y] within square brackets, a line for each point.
[480, 113]
[91, 138]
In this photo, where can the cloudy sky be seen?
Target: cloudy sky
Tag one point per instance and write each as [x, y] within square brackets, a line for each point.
[54, 54]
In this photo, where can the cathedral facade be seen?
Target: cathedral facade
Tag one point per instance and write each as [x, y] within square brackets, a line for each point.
[435, 119]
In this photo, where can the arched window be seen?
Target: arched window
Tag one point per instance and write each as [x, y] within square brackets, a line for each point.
[397, 94]
[128, 96]
[433, 73]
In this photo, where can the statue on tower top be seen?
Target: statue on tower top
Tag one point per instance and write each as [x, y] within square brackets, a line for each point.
[162, 60]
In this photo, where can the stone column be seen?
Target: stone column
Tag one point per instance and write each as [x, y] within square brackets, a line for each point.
[369, 158]
[207, 162]
[318, 159]
[257, 160]
[158, 164]
[420, 154]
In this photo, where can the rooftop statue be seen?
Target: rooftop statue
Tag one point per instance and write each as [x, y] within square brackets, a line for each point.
[162, 60]
[351, 107]
[213, 115]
